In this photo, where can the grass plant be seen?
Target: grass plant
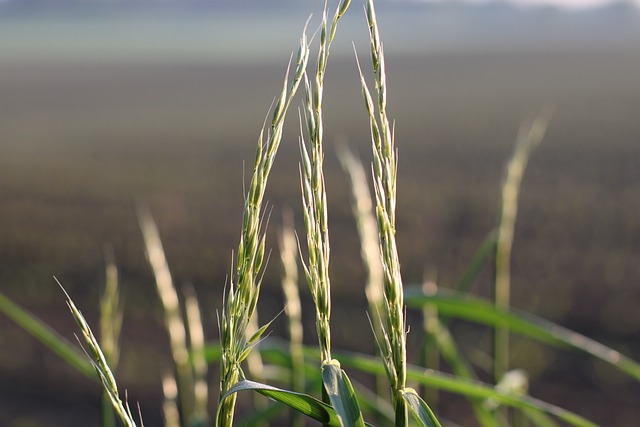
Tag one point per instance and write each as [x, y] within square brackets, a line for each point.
[314, 197]
[101, 366]
[528, 138]
[291, 363]
[393, 344]
[243, 291]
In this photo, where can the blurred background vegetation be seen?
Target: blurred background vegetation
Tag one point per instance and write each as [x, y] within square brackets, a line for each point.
[110, 104]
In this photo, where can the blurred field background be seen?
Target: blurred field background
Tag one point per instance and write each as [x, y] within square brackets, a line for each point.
[106, 106]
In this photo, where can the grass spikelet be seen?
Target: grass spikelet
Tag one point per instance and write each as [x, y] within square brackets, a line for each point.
[198, 359]
[242, 295]
[314, 197]
[173, 317]
[384, 170]
[100, 364]
[362, 207]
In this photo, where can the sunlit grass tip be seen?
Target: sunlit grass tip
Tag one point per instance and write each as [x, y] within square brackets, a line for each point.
[99, 362]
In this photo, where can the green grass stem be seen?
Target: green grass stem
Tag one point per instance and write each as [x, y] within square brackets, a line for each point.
[528, 138]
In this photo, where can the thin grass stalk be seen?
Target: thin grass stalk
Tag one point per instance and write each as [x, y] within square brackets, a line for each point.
[99, 362]
[385, 172]
[362, 208]
[314, 197]
[242, 295]
[293, 310]
[173, 316]
[198, 359]
[528, 138]
[111, 313]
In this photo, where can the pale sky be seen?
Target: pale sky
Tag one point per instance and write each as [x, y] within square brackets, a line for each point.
[565, 4]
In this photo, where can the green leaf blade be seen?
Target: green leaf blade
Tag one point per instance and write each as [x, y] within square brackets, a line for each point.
[483, 312]
[46, 335]
[419, 409]
[307, 405]
[342, 395]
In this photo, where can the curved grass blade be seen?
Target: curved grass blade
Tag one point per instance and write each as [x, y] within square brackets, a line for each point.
[308, 405]
[481, 311]
[466, 387]
[341, 394]
[43, 333]
[441, 381]
[419, 409]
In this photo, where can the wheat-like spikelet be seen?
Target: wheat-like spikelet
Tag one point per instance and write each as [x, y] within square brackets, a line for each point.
[173, 317]
[314, 197]
[198, 359]
[368, 231]
[242, 294]
[99, 362]
[384, 170]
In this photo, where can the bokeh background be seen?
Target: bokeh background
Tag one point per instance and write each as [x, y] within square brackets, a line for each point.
[106, 104]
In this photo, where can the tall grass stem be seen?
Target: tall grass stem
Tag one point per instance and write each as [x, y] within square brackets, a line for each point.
[529, 136]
